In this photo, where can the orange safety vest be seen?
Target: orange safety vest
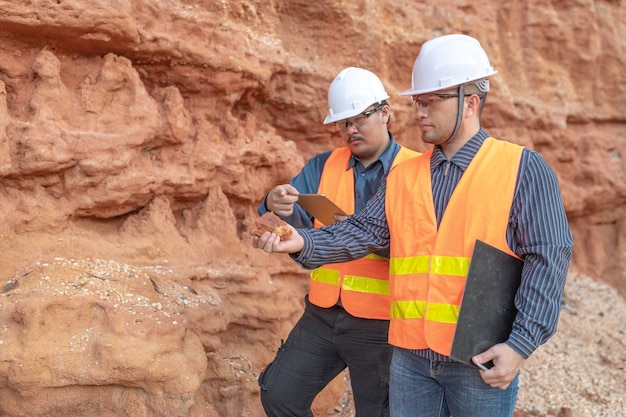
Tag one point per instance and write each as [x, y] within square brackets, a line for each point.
[363, 284]
[428, 267]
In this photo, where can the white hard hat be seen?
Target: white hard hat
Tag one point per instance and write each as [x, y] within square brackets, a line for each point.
[353, 91]
[449, 61]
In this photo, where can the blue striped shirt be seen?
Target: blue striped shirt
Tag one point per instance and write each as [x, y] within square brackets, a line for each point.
[538, 232]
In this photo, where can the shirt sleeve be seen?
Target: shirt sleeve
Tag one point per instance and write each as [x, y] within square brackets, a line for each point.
[540, 234]
[359, 235]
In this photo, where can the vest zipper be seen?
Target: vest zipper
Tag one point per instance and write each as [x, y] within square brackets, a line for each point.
[445, 171]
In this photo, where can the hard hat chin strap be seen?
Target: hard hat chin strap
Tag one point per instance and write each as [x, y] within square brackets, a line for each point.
[459, 113]
[482, 103]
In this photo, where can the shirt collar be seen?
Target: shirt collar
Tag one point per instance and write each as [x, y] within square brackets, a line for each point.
[464, 156]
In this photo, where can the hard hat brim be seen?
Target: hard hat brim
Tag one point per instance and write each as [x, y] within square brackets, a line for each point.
[352, 113]
[417, 91]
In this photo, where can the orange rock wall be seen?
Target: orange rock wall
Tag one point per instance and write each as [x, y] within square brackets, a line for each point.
[144, 134]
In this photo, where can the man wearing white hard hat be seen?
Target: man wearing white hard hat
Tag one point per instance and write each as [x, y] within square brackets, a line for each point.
[346, 317]
[430, 212]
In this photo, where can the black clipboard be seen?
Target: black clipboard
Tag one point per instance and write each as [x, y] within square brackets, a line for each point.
[487, 310]
[320, 207]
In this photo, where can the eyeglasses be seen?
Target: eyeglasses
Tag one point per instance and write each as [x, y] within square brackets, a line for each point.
[426, 100]
[359, 120]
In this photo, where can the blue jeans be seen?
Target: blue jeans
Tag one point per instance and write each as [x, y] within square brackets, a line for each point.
[322, 344]
[422, 388]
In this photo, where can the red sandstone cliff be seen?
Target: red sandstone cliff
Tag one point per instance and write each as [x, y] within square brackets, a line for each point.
[137, 139]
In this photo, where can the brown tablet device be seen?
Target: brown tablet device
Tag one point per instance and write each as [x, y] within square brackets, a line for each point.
[320, 207]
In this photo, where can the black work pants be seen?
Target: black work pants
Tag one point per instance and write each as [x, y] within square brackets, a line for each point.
[322, 344]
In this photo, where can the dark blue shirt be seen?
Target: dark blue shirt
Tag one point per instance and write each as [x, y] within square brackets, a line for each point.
[538, 232]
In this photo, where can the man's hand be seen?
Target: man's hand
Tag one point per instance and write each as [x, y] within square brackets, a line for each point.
[270, 242]
[506, 365]
[281, 198]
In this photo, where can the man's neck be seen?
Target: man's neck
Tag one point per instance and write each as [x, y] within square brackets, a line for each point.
[450, 148]
[374, 157]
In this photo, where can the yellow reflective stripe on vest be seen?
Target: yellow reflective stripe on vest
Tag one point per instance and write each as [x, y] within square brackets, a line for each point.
[364, 284]
[325, 275]
[409, 265]
[450, 265]
[407, 309]
[453, 266]
[442, 265]
[351, 282]
[442, 313]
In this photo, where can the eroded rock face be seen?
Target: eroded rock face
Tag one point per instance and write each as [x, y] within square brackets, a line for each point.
[138, 138]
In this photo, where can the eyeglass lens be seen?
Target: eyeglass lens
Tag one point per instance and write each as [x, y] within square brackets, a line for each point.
[359, 120]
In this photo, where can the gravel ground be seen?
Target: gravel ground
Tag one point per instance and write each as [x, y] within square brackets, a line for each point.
[582, 367]
[580, 371]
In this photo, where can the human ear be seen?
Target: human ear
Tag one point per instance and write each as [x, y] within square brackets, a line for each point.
[473, 104]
